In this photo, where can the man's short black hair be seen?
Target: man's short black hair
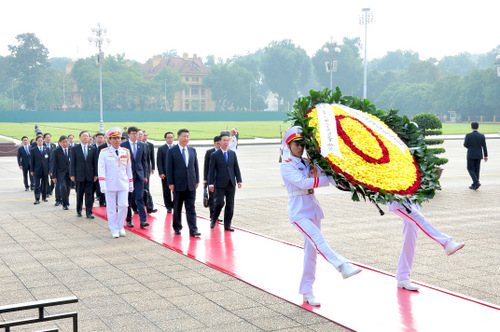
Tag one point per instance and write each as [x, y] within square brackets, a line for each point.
[168, 132]
[217, 138]
[62, 138]
[82, 132]
[131, 129]
[99, 134]
[24, 137]
[45, 135]
[474, 125]
[71, 135]
[224, 133]
[183, 130]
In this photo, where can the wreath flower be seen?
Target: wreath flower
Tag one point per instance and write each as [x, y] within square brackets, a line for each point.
[377, 155]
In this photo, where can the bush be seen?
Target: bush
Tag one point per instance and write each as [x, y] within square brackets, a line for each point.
[431, 126]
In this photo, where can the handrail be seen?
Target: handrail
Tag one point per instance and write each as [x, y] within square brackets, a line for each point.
[40, 305]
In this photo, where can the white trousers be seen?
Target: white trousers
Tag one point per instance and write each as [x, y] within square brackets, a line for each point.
[314, 242]
[116, 199]
[411, 223]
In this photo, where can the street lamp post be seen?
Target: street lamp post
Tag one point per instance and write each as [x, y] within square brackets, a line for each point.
[365, 18]
[331, 51]
[98, 40]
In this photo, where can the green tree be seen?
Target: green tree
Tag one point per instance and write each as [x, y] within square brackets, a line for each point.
[422, 72]
[29, 61]
[167, 82]
[396, 60]
[445, 94]
[59, 64]
[349, 74]
[230, 85]
[410, 99]
[460, 64]
[285, 69]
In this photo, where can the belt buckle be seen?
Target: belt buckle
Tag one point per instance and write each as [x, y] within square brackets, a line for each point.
[310, 191]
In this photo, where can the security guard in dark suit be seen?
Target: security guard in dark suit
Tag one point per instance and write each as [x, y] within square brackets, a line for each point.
[50, 147]
[475, 142]
[60, 171]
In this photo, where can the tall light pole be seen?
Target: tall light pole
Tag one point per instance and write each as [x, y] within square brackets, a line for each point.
[331, 50]
[365, 18]
[98, 40]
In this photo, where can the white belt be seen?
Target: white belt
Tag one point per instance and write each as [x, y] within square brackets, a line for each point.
[302, 192]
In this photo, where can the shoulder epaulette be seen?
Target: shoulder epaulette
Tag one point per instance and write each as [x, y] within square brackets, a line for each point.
[104, 149]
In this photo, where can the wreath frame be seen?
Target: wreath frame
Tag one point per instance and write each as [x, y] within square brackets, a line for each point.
[410, 134]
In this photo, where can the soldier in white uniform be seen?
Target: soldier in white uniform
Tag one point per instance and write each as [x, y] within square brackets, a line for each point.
[412, 221]
[115, 180]
[305, 213]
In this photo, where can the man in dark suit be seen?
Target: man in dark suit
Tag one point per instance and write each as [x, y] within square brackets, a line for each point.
[161, 160]
[138, 156]
[60, 170]
[83, 171]
[50, 147]
[475, 142]
[211, 194]
[99, 139]
[223, 176]
[39, 168]
[183, 178]
[23, 160]
[150, 161]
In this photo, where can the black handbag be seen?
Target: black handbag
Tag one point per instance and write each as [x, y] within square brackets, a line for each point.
[205, 196]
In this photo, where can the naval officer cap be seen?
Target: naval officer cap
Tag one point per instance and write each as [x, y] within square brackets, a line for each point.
[292, 134]
[114, 132]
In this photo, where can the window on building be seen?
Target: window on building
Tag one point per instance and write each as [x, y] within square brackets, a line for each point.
[195, 92]
[186, 105]
[203, 92]
[186, 93]
[203, 105]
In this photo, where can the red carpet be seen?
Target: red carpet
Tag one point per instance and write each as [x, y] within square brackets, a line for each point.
[369, 301]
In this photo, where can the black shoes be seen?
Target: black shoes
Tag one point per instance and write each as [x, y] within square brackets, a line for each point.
[90, 216]
[45, 200]
[195, 234]
[57, 204]
[144, 224]
[26, 189]
[78, 214]
[65, 207]
[152, 211]
[169, 210]
[37, 202]
[474, 186]
[212, 224]
[229, 229]
[130, 224]
[177, 232]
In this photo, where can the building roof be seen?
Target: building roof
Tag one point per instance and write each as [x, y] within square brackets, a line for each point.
[185, 65]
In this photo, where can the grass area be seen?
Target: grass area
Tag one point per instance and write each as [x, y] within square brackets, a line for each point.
[199, 130]
[156, 130]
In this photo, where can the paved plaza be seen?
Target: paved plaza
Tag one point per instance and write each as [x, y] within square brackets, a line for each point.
[133, 284]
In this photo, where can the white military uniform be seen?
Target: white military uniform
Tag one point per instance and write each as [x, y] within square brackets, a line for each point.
[115, 179]
[305, 214]
[412, 221]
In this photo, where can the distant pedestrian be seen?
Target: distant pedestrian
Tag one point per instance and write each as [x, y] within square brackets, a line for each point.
[475, 142]
[161, 160]
[211, 194]
[39, 168]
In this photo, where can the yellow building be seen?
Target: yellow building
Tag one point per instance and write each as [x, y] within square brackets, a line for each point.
[196, 97]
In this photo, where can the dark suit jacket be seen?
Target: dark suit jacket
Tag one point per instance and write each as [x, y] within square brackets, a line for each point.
[40, 162]
[23, 159]
[220, 172]
[53, 146]
[139, 163]
[206, 163]
[81, 169]
[161, 159]
[151, 156]
[102, 146]
[182, 177]
[475, 142]
[60, 164]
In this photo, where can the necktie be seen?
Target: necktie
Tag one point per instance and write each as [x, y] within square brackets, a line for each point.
[27, 151]
[116, 151]
[66, 153]
[85, 151]
[41, 150]
[225, 156]
[302, 160]
[134, 149]
[184, 156]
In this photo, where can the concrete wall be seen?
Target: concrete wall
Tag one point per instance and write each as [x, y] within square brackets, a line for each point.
[110, 116]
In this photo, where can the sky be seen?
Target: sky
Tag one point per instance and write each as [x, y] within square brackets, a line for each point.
[141, 29]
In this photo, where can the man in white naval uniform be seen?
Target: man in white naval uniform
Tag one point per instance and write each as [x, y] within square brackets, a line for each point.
[412, 221]
[115, 180]
[305, 213]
